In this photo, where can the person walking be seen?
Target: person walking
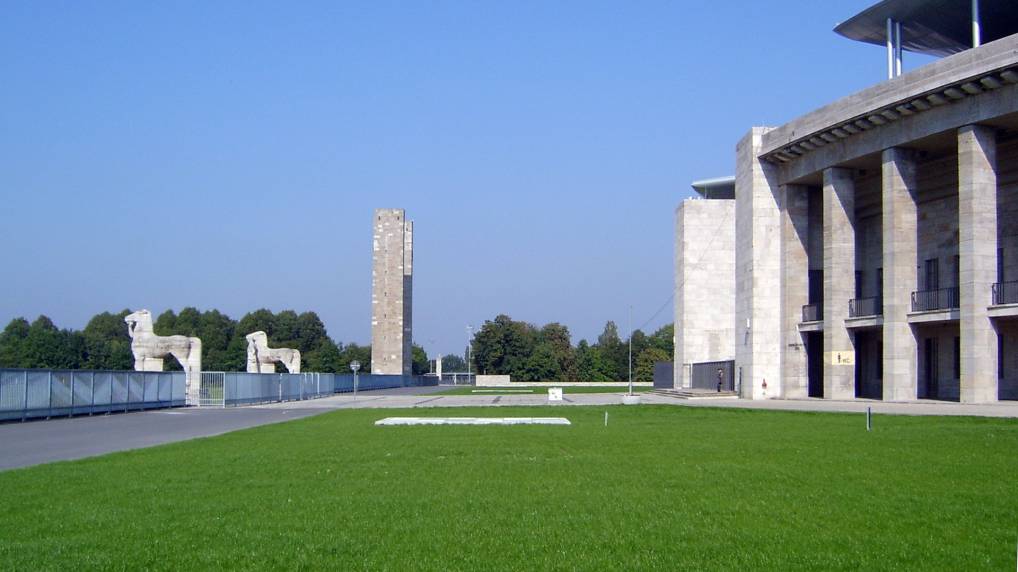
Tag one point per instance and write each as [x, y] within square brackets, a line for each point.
[721, 378]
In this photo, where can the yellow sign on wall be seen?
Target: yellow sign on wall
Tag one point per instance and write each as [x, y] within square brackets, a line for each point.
[840, 357]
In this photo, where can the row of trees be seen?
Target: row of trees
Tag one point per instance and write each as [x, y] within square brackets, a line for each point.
[105, 345]
[504, 346]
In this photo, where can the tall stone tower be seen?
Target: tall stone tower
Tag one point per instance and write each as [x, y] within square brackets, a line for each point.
[392, 293]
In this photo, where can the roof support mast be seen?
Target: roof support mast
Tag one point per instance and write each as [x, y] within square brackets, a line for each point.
[976, 32]
[893, 49]
[890, 48]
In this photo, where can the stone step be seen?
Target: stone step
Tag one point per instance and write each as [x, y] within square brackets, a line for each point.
[696, 394]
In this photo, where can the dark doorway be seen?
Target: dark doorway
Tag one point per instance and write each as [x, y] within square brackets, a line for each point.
[931, 374]
[869, 356]
[815, 364]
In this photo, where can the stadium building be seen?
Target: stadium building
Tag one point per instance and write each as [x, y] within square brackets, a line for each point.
[874, 241]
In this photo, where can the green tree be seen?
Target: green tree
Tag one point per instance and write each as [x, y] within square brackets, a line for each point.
[613, 353]
[107, 344]
[557, 338]
[420, 363]
[664, 339]
[592, 364]
[45, 346]
[645, 363]
[502, 346]
[453, 363]
[326, 359]
[12, 342]
[541, 365]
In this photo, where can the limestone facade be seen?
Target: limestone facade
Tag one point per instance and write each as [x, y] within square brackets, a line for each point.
[876, 242]
[705, 280]
[392, 293]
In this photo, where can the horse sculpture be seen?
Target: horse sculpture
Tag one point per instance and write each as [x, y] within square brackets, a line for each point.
[150, 349]
[262, 359]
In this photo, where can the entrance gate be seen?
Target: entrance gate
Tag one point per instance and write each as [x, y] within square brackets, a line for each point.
[211, 392]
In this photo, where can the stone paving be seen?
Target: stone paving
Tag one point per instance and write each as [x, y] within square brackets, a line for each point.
[35, 442]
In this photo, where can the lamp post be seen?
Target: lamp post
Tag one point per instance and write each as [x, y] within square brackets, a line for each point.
[470, 344]
[355, 365]
[630, 349]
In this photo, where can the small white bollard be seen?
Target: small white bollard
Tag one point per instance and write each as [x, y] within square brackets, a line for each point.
[554, 394]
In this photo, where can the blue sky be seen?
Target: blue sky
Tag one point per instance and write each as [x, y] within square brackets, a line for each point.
[230, 154]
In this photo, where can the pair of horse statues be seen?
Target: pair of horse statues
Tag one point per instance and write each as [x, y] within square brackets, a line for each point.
[150, 349]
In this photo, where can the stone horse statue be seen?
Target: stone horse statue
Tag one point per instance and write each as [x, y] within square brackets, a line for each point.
[262, 359]
[150, 349]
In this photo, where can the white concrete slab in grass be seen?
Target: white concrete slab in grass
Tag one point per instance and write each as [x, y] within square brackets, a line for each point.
[473, 421]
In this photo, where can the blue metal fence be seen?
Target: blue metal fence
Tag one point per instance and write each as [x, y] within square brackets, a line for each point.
[31, 393]
[241, 388]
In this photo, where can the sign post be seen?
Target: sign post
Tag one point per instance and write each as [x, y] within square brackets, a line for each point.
[355, 365]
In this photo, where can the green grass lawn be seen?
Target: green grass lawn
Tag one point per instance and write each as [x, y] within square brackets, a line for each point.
[662, 487]
[523, 389]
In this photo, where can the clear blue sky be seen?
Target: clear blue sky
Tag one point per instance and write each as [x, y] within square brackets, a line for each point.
[229, 154]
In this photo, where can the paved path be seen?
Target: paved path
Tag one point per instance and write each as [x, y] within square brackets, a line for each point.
[24, 444]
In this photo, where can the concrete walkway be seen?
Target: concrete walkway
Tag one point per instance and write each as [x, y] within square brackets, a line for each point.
[24, 444]
[347, 401]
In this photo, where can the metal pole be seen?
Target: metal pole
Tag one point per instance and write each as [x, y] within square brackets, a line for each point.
[897, 49]
[890, 48]
[24, 409]
[869, 418]
[91, 409]
[630, 349]
[977, 38]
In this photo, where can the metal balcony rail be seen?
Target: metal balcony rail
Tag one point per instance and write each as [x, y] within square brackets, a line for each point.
[813, 312]
[940, 299]
[1005, 293]
[860, 307]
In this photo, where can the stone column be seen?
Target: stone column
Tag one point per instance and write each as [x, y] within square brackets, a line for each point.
[900, 251]
[757, 271]
[839, 282]
[977, 250]
[794, 288]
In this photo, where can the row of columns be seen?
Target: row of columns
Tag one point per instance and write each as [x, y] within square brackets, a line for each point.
[977, 249]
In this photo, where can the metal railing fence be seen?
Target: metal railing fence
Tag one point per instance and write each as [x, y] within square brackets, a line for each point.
[459, 378]
[940, 299]
[241, 388]
[31, 393]
[705, 375]
[859, 307]
[1005, 293]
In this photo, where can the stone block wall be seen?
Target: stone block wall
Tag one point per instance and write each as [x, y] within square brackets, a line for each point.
[704, 284]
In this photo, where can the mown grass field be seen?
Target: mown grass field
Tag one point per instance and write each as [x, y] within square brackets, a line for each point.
[661, 488]
[524, 389]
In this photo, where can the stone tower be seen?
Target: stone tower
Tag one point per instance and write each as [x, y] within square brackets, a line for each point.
[392, 293]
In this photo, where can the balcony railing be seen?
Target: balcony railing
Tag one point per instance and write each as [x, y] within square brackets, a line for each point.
[942, 299]
[812, 312]
[1005, 293]
[866, 307]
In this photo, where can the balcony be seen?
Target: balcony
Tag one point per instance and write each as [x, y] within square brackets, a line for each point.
[865, 307]
[931, 300]
[1005, 293]
[813, 312]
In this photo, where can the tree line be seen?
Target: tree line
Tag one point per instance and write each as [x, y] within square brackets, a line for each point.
[504, 346]
[105, 345]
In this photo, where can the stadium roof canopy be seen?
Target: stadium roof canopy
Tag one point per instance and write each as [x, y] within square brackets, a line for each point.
[933, 27]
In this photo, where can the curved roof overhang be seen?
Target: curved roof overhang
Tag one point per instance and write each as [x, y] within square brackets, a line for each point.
[933, 27]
